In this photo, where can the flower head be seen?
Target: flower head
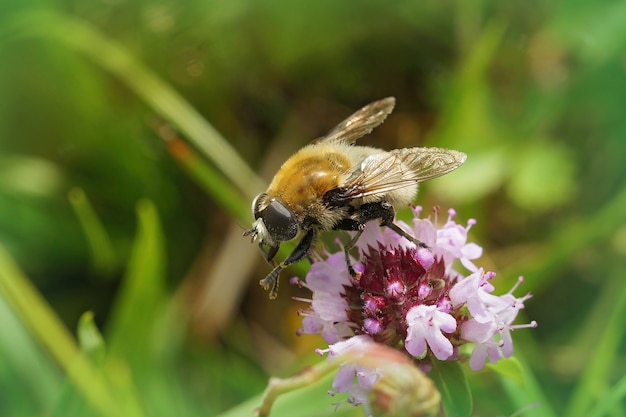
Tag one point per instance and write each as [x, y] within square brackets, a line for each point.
[410, 298]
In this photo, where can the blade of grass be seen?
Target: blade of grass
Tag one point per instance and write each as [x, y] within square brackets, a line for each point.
[206, 176]
[593, 379]
[19, 355]
[80, 36]
[142, 293]
[141, 330]
[102, 253]
[90, 338]
[44, 324]
[611, 399]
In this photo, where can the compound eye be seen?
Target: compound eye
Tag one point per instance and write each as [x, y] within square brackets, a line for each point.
[256, 205]
[279, 221]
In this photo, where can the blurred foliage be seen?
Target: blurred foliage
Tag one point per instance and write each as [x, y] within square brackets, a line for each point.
[533, 92]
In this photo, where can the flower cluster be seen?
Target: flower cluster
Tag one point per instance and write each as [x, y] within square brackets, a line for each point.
[410, 298]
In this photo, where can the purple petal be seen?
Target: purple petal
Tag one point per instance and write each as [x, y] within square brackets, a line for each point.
[444, 321]
[474, 331]
[344, 379]
[439, 344]
[329, 307]
[472, 251]
[415, 342]
[478, 357]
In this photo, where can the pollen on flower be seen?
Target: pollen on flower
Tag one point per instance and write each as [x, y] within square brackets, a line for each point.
[424, 302]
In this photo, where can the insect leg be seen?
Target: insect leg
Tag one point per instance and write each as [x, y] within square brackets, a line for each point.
[269, 254]
[393, 226]
[381, 210]
[386, 219]
[346, 250]
[384, 211]
[270, 282]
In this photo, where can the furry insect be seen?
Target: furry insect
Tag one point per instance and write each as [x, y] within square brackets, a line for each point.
[331, 184]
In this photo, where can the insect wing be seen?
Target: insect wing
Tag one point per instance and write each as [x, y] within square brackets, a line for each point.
[388, 171]
[362, 122]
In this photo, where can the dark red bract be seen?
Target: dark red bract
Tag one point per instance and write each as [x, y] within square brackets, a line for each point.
[392, 281]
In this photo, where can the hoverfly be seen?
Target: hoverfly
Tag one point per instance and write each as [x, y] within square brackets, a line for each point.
[332, 184]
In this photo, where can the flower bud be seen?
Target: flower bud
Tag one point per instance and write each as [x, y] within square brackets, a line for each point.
[404, 390]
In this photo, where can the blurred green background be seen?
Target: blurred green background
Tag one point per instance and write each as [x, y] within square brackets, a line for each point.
[104, 209]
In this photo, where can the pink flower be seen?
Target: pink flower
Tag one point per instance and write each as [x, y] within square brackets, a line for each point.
[449, 241]
[426, 324]
[490, 328]
[409, 298]
[354, 379]
[452, 242]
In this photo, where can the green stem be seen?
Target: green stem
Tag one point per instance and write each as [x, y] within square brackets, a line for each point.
[277, 386]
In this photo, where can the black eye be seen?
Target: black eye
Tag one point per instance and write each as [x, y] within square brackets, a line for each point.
[279, 221]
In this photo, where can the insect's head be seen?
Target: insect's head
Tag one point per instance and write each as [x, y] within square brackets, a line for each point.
[274, 221]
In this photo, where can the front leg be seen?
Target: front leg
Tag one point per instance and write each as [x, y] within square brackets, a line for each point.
[269, 254]
[271, 280]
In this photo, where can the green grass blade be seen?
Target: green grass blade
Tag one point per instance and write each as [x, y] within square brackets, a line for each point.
[210, 180]
[90, 338]
[71, 403]
[24, 392]
[47, 328]
[164, 100]
[101, 249]
[611, 399]
[594, 379]
[142, 293]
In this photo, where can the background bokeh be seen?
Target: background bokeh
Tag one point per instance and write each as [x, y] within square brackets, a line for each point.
[104, 208]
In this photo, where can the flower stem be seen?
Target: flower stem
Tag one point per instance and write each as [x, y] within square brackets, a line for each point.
[279, 386]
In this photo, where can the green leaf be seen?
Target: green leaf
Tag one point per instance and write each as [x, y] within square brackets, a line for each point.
[610, 400]
[142, 293]
[456, 396]
[24, 392]
[48, 329]
[509, 368]
[601, 361]
[530, 396]
[102, 254]
[90, 338]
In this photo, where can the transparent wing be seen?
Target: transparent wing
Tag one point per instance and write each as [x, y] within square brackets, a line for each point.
[387, 171]
[361, 123]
